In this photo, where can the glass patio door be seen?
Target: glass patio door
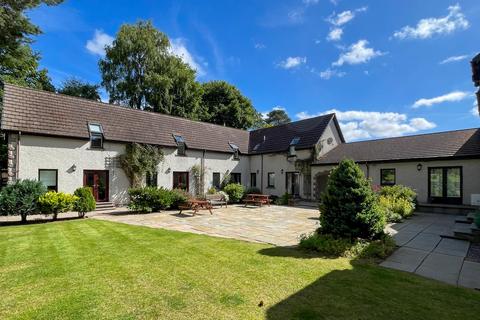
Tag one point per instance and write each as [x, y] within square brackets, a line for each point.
[293, 183]
[98, 181]
[445, 185]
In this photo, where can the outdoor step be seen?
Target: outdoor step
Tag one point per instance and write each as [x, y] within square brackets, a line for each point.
[464, 231]
[104, 206]
[471, 216]
[463, 220]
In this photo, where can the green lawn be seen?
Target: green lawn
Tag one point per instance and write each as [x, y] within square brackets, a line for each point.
[91, 269]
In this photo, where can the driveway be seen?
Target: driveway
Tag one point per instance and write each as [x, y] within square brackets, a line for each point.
[423, 251]
[277, 225]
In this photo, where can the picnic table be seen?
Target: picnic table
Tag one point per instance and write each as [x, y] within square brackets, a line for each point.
[196, 205]
[257, 199]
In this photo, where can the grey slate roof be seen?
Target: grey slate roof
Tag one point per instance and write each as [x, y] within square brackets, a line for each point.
[278, 138]
[40, 112]
[45, 113]
[449, 144]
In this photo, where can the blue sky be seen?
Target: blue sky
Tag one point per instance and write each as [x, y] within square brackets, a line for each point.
[388, 68]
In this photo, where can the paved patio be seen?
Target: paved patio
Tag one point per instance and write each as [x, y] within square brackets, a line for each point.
[424, 252]
[277, 225]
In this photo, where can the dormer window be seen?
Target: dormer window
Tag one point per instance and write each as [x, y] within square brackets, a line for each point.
[236, 154]
[291, 149]
[180, 141]
[96, 135]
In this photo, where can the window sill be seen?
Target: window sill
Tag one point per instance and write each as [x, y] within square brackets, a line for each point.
[270, 187]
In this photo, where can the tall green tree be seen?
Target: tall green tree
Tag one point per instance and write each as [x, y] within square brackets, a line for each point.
[18, 62]
[277, 117]
[139, 71]
[224, 104]
[78, 88]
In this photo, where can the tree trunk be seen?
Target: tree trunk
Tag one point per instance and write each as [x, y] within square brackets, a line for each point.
[55, 214]
[24, 217]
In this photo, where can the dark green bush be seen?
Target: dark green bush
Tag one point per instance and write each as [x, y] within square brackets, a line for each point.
[328, 245]
[349, 207]
[283, 200]
[477, 218]
[21, 198]
[85, 201]
[54, 203]
[179, 196]
[397, 201]
[253, 190]
[235, 192]
[150, 199]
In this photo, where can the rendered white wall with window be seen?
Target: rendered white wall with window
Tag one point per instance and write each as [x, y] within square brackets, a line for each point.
[39, 152]
[407, 174]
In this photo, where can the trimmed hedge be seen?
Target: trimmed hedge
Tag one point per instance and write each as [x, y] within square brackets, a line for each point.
[21, 198]
[85, 201]
[56, 202]
[340, 247]
[150, 199]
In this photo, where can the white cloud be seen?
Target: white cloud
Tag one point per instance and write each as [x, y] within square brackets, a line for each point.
[454, 59]
[474, 111]
[344, 17]
[99, 42]
[178, 47]
[449, 97]
[371, 124]
[265, 113]
[335, 34]
[358, 53]
[292, 62]
[329, 73]
[295, 16]
[310, 2]
[426, 28]
[260, 46]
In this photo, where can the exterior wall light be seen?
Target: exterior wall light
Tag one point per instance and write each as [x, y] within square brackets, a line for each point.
[281, 171]
[74, 167]
[419, 167]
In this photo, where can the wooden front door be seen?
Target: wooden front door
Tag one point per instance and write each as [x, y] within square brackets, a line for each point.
[98, 181]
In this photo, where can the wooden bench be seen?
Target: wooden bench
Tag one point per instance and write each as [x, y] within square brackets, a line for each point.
[257, 199]
[216, 200]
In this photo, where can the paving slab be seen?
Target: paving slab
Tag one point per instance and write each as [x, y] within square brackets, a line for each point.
[424, 241]
[403, 237]
[277, 225]
[441, 267]
[470, 275]
[453, 247]
[406, 259]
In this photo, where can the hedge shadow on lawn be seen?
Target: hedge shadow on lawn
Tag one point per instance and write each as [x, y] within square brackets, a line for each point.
[292, 252]
[362, 293]
[37, 221]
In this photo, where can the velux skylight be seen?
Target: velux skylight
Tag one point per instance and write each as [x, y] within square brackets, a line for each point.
[295, 141]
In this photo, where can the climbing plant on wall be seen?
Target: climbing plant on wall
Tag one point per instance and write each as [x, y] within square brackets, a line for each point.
[140, 159]
[197, 177]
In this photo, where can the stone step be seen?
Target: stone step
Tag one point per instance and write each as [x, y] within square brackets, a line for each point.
[463, 220]
[464, 231]
[471, 216]
[104, 206]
